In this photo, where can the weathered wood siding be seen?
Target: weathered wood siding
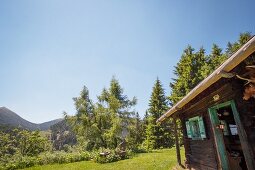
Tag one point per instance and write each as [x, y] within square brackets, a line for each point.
[202, 154]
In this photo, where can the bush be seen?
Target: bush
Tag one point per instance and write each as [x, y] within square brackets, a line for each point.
[63, 157]
[112, 156]
[19, 162]
[139, 149]
[23, 162]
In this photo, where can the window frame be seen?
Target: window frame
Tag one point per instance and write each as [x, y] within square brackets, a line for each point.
[199, 121]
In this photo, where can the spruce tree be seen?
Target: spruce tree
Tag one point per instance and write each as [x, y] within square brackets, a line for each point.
[233, 47]
[150, 141]
[213, 61]
[188, 73]
[157, 134]
[193, 67]
[158, 102]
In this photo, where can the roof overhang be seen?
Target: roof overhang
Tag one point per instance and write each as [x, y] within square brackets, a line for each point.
[246, 50]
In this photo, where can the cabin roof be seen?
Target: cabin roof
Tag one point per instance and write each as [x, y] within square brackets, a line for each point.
[234, 60]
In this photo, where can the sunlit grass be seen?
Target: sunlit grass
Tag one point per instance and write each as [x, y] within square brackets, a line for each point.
[164, 159]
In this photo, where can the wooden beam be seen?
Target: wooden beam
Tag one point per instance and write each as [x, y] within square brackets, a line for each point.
[247, 151]
[177, 143]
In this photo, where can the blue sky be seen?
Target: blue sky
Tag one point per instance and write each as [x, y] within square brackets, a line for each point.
[50, 49]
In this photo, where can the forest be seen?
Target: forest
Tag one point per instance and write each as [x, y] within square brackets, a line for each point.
[109, 129]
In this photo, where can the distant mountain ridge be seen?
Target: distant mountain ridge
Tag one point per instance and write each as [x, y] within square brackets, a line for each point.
[8, 117]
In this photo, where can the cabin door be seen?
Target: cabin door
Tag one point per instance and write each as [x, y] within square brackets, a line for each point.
[225, 124]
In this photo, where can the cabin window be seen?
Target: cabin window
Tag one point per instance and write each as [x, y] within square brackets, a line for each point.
[195, 128]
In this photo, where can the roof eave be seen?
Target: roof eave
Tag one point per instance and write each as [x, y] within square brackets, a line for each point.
[235, 59]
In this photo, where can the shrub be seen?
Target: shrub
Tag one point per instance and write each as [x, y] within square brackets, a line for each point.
[139, 149]
[112, 156]
[63, 157]
[19, 162]
[24, 162]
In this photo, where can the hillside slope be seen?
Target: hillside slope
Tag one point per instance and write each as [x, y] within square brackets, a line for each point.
[8, 117]
[47, 125]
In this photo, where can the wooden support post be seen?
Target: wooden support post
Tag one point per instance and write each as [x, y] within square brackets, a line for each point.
[185, 141]
[177, 143]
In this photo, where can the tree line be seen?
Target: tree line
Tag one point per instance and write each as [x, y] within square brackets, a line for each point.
[112, 118]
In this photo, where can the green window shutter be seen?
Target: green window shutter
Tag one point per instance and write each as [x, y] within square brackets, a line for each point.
[201, 127]
[189, 134]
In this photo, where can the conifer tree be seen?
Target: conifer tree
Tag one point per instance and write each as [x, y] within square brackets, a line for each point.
[150, 141]
[157, 134]
[194, 67]
[233, 47]
[135, 133]
[84, 122]
[188, 73]
[106, 123]
[83, 104]
[213, 61]
[116, 107]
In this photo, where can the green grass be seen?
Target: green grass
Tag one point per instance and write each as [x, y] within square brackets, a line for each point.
[164, 159]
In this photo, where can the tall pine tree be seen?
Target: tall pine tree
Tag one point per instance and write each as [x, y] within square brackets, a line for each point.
[188, 73]
[157, 135]
[213, 61]
[233, 47]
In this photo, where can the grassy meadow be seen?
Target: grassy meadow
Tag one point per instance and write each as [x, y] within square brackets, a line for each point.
[164, 159]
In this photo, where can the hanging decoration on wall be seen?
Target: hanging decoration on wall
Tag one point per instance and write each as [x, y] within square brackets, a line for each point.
[249, 86]
[216, 97]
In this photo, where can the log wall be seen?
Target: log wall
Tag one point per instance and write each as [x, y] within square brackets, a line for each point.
[202, 154]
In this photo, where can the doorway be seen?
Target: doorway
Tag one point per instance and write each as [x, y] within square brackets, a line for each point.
[225, 121]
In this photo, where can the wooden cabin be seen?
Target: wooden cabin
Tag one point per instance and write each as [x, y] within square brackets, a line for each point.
[218, 116]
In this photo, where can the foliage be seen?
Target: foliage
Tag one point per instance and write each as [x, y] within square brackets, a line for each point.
[18, 148]
[163, 159]
[31, 143]
[116, 106]
[106, 123]
[7, 146]
[84, 123]
[60, 157]
[233, 47]
[112, 156]
[157, 135]
[193, 67]
[62, 135]
[188, 73]
[22, 142]
[149, 142]
[158, 102]
[111, 120]
[212, 61]
[135, 134]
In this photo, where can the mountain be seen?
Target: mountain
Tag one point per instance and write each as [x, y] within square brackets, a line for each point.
[47, 125]
[8, 117]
